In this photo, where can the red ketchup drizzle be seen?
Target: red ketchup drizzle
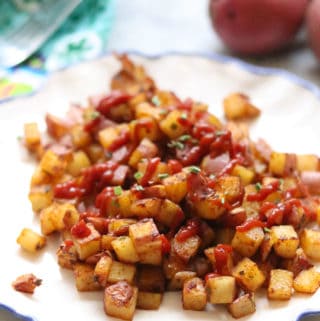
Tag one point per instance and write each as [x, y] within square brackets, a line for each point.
[221, 254]
[112, 100]
[165, 244]
[121, 140]
[264, 192]
[229, 167]
[68, 244]
[197, 186]
[174, 166]
[190, 155]
[150, 170]
[141, 124]
[250, 224]
[104, 199]
[92, 124]
[221, 144]
[192, 228]
[68, 190]
[80, 230]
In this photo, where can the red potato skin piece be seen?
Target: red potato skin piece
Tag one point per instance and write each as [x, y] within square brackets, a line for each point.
[26, 283]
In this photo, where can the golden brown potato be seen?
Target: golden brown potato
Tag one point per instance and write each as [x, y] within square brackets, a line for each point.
[221, 289]
[30, 240]
[85, 278]
[310, 243]
[280, 285]
[194, 295]
[125, 250]
[102, 270]
[149, 300]
[121, 272]
[307, 281]
[179, 278]
[242, 306]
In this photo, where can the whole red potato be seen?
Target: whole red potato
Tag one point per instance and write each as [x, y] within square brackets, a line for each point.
[257, 26]
[313, 26]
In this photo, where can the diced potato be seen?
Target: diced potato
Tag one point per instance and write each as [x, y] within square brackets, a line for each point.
[146, 149]
[116, 226]
[88, 245]
[224, 235]
[95, 153]
[161, 168]
[106, 240]
[53, 218]
[171, 125]
[125, 250]
[67, 256]
[146, 207]
[120, 300]
[40, 177]
[307, 163]
[277, 163]
[248, 274]
[266, 247]
[170, 214]
[125, 200]
[187, 248]
[108, 135]
[227, 267]
[145, 237]
[144, 128]
[307, 281]
[207, 208]
[53, 164]
[121, 272]
[32, 136]
[194, 296]
[246, 175]
[56, 127]
[221, 289]
[310, 242]
[79, 161]
[280, 285]
[177, 281]
[80, 138]
[242, 306]
[247, 243]
[102, 270]
[230, 188]
[40, 197]
[144, 110]
[149, 300]
[238, 106]
[176, 186]
[150, 279]
[285, 240]
[84, 278]
[297, 264]
[30, 240]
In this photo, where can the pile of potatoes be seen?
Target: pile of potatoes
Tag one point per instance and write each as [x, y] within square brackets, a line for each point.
[251, 27]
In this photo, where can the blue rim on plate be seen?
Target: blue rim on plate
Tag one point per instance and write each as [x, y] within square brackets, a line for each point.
[258, 70]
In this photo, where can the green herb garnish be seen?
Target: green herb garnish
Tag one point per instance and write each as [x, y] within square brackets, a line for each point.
[117, 190]
[176, 144]
[163, 175]
[137, 175]
[155, 100]
[184, 116]
[139, 188]
[95, 114]
[266, 229]
[194, 169]
[258, 186]
[184, 138]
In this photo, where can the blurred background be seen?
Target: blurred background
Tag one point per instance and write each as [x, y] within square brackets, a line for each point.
[90, 28]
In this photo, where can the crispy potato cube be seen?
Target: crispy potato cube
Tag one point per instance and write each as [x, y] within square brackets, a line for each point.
[40, 197]
[248, 274]
[108, 135]
[307, 281]
[238, 106]
[161, 168]
[246, 175]
[79, 161]
[119, 225]
[187, 248]
[54, 217]
[149, 300]
[120, 300]
[280, 285]
[242, 306]
[285, 240]
[106, 240]
[95, 153]
[146, 149]
[194, 296]
[30, 240]
[310, 243]
[179, 278]
[53, 164]
[121, 272]
[146, 207]
[80, 138]
[88, 245]
[40, 177]
[32, 136]
[207, 209]
[247, 243]
[145, 237]
[143, 110]
[277, 163]
[176, 186]
[125, 250]
[56, 127]
[266, 247]
[171, 125]
[170, 214]
[150, 279]
[102, 270]
[230, 188]
[307, 163]
[67, 255]
[144, 128]
[221, 289]
[84, 278]
[125, 200]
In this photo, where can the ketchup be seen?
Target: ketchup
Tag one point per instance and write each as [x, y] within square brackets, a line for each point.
[264, 192]
[249, 224]
[221, 255]
[104, 198]
[174, 166]
[150, 170]
[68, 190]
[165, 244]
[121, 140]
[192, 228]
[80, 230]
[112, 100]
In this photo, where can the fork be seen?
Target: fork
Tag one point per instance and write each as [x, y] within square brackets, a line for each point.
[18, 44]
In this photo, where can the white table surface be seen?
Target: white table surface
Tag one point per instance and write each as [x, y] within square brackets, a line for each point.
[155, 27]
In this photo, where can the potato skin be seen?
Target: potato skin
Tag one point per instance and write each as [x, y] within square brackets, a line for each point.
[313, 26]
[256, 27]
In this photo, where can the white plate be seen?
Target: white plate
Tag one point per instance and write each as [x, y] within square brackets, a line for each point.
[289, 122]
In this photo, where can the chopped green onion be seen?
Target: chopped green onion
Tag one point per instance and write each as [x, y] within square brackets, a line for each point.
[95, 114]
[220, 132]
[184, 116]
[212, 176]
[184, 138]
[163, 112]
[137, 175]
[267, 230]
[194, 169]
[176, 144]
[155, 100]
[117, 190]
[258, 186]
[222, 200]
[163, 175]
[139, 188]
